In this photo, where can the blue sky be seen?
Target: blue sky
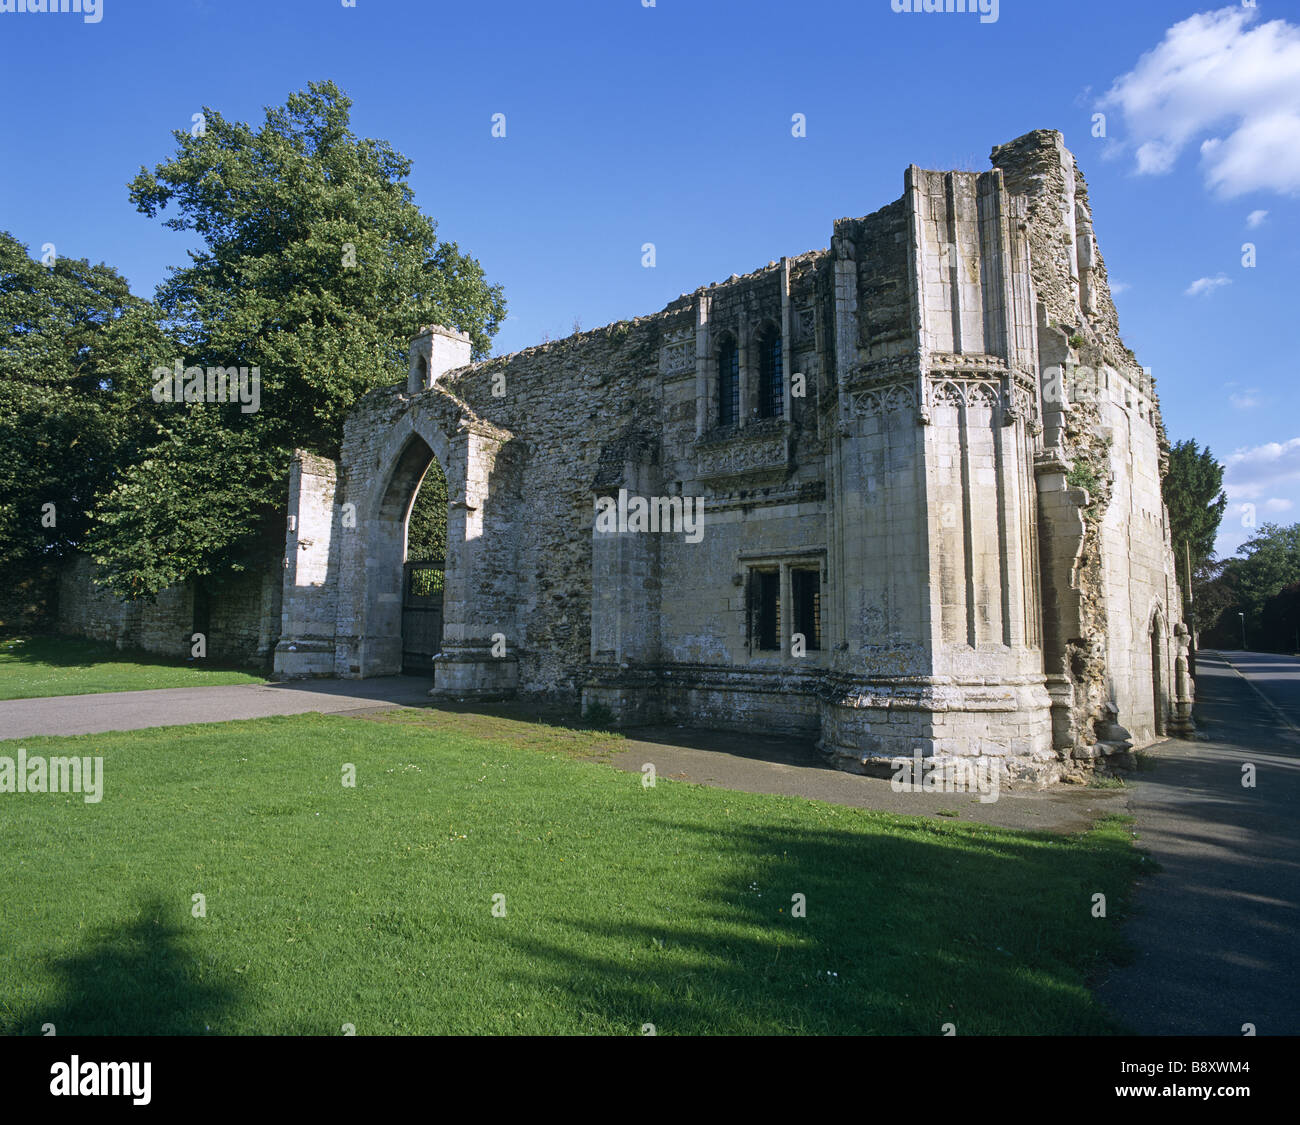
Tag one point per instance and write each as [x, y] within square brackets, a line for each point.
[671, 124]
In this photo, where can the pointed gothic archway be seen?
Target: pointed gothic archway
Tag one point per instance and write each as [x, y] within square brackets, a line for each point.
[389, 585]
[346, 546]
[423, 572]
[1159, 689]
[471, 663]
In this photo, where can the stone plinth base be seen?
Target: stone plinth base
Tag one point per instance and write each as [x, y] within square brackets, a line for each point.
[870, 727]
[474, 673]
[632, 697]
[1180, 719]
[778, 701]
[303, 659]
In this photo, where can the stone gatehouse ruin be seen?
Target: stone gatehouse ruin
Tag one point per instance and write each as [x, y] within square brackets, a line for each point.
[929, 473]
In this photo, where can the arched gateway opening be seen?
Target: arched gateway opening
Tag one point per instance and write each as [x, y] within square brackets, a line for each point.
[405, 564]
[401, 550]
[424, 573]
[409, 577]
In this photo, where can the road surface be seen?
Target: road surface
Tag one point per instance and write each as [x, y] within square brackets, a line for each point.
[1216, 930]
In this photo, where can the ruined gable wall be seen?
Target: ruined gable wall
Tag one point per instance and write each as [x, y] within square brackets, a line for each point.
[1110, 431]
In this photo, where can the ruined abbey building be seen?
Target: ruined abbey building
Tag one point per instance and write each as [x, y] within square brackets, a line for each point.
[970, 546]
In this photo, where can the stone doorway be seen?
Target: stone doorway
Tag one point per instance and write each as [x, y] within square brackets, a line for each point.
[1158, 722]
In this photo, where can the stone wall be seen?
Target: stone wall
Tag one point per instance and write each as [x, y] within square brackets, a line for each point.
[1103, 429]
[243, 621]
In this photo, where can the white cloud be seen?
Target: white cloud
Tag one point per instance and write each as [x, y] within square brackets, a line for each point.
[1246, 400]
[1256, 219]
[1118, 287]
[1203, 286]
[1278, 504]
[1262, 470]
[1234, 86]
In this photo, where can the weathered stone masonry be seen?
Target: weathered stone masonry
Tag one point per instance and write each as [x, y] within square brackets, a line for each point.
[242, 625]
[915, 501]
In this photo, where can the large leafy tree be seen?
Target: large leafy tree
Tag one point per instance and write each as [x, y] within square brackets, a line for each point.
[1271, 561]
[1193, 490]
[315, 267]
[1258, 578]
[74, 406]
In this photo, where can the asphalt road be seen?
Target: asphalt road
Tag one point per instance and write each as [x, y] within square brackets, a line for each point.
[1216, 930]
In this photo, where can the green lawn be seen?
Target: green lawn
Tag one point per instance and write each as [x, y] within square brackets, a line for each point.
[625, 905]
[40, 666]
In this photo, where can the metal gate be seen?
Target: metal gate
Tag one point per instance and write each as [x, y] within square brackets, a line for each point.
[421, 616]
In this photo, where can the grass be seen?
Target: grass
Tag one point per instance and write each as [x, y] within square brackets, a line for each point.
[624, 905]
[1097, 781]
[31, 667]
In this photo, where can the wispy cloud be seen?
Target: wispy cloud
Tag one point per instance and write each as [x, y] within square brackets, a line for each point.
[1246, 400]
[1216, 77]
[1203, 286]
[1256, 219]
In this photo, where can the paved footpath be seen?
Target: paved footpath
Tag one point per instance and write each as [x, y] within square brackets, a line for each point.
[169, 707]
[1216, 930]
[755, 763]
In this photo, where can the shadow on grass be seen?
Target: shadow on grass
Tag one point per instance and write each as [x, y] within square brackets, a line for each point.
[903, 933]
[140, 980]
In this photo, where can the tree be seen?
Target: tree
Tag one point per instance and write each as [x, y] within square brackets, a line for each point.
[1280, 621]
[1213, 596]
[426, 529]
[1272, 561]
[1266, 566]
[73, 408]
[1193, 491]
[316, 268]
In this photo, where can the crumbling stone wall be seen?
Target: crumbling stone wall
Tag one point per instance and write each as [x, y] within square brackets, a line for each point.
[1104, 427]
[244, 615]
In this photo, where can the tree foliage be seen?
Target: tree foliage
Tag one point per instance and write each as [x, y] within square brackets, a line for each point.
[426, 530]
[1266, 566]
[74, 407]
[1193, 492]
[315, 268]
